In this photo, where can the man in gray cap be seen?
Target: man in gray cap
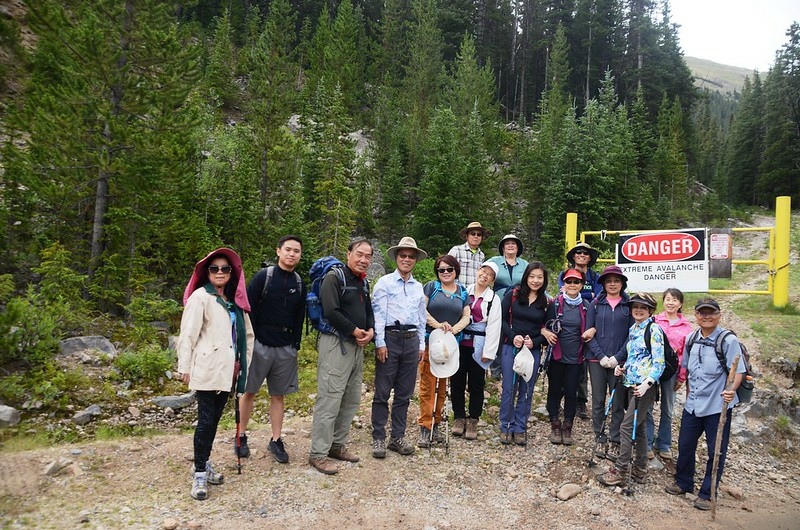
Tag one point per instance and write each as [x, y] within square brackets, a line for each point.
[703, 409]
[398, 304]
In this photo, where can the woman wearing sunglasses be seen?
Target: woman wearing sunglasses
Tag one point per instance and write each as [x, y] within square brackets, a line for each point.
[567, 317]
[446, 309]
[214, 350]
[524, 315]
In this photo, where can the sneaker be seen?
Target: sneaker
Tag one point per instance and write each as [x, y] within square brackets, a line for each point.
[613, 452]
[324, 465]
[341, 453]
[613, 477]
[378, 449]
[424, 437]
[278, 451]
[459, 424]
[199, 486]
[212, 477]
[674, 489]
[400, 445]
[242, 450]
[505, 438]
[666, 454]
[438, 435]
[702, 504]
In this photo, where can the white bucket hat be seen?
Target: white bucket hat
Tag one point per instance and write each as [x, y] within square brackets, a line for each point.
[523, 363]
[443, 353]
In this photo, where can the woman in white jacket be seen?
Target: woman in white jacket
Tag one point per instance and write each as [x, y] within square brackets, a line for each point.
[477, 350]
[214, 350]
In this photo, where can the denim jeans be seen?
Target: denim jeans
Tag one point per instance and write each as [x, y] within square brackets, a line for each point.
[692, 427]
[516, 398]
[662, 442]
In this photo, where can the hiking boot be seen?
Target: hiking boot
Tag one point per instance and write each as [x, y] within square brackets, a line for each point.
[400, 445]
[424, 437]
[341, 453]
[613, 477]
[242, 451]
[438, 435]
[566, 433]
[555, 432]
[520, 438]
[601, 450]
[199, 486]
[505, 438]
[650, 454]
[582, 414]
[471, 432]
[378, 449]
[666, 454]
[324, 465]
[212, 477]
[639, 475]
[613, 452]
[702, 504]
[674, 489]
[458, 426]
[278, 451]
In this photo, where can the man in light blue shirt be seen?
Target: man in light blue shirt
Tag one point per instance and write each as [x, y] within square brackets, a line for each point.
[703, 410]
[398, 304]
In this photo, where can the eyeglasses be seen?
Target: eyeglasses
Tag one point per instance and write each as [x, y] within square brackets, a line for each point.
[707, 314]
[225, 269]
[572, 281]
[407, 256]
[581, 252]
[476, 233]
[446, 270]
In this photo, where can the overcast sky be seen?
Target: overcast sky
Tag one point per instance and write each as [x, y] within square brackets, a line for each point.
[744, 33]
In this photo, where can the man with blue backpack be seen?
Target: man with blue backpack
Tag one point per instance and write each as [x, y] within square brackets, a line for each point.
[346, 306]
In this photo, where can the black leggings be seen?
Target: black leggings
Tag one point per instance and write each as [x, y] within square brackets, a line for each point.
[472, 374]
[210, 405]
[563, 384]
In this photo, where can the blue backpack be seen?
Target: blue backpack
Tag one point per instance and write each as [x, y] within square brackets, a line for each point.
[319, 269]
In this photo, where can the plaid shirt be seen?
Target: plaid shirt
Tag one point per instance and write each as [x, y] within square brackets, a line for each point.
[470, 262]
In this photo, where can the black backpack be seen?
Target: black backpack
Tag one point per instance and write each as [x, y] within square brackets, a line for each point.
[670, 357]
[745, 390]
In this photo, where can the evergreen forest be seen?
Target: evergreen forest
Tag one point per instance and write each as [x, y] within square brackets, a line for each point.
[137, 135]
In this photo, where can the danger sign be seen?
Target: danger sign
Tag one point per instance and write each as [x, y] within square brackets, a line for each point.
[654, 261]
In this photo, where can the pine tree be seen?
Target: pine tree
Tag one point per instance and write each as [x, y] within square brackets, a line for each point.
[221, 68]
[745, 147]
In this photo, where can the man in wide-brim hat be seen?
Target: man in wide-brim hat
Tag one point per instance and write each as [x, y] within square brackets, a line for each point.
[398, 304]
[469, 255]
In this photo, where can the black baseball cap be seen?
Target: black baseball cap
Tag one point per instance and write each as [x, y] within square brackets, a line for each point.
[708, 303]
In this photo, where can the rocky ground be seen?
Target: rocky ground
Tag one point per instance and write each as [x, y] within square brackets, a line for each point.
[144, 482]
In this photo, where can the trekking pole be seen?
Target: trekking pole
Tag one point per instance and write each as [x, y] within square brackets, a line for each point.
[603, 427]
[237, 417]
[433, 412]
[723, 418]
[629, 490]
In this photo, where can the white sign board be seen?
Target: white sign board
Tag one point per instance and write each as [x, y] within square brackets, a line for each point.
[719, 246]
[655, 261]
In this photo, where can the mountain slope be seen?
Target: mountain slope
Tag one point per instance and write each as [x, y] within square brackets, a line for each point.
[715, 76]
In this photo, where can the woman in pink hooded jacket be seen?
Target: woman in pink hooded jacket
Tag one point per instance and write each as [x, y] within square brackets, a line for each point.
[676, 328]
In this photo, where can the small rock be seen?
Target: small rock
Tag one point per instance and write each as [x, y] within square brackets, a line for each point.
[83, 517]
[75, 452]
[125, 509]
[9, 416]
[54, 468]
[170, 524]
[568, 491]
[169, 413]
[175, 402]
[733, 491]
[134, 411]
[594, 510]
[194, 524]
[263, 511]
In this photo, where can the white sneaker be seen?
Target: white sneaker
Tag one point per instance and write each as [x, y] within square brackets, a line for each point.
[199, 487]
[212, 476]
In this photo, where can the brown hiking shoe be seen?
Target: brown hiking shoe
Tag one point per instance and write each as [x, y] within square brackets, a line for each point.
[613, 477]
[566, 433]
[341, 453]
[324, 465]
[555, 432]
[458, 426]
[471, 432]
[505, 438]
[520, 438]
[639, 474]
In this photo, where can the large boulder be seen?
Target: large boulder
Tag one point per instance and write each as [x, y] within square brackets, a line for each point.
[92, 343]
[175, 402]
[9, 416]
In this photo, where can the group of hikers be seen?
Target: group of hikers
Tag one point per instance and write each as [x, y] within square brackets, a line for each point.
[477, 316]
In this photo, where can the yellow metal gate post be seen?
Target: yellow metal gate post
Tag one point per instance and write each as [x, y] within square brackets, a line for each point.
[783, 217]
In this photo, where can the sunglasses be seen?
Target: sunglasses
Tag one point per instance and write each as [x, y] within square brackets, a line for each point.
[573, 281]
[476, 233]
[407, 256]
[225, 269]
[446, 270]
[581, 252]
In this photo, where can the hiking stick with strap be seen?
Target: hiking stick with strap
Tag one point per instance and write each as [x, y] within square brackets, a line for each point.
[629, 488]
[597, 442]
[723, 418]
[237, 369]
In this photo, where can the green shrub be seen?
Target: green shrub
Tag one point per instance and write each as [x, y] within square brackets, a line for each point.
[145, 309]
[29, 332]
[146, 366]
